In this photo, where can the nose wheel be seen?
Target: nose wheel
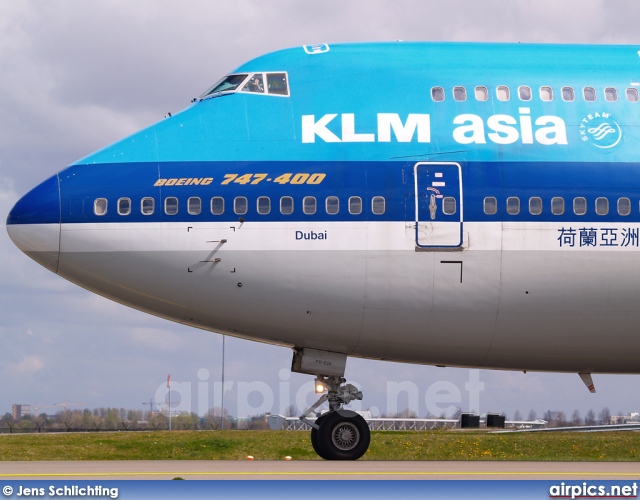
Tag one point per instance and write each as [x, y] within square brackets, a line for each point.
[343, 435]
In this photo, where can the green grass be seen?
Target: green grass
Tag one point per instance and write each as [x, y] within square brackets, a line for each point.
[275, 445]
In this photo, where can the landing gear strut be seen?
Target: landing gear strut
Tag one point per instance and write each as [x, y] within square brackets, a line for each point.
[340, 434]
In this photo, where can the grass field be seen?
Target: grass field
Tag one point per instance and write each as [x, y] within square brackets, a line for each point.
[275, 445]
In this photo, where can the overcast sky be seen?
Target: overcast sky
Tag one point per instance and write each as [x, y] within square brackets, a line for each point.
[77, 75]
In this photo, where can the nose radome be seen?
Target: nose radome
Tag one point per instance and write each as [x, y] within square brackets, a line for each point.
[34, 223]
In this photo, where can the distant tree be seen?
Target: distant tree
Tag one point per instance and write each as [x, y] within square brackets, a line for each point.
[604, 416]
[590, 418]
[532, 415]
[517, 415]
[408, 413]
[575, 418]
[561, 419]
[291, 411]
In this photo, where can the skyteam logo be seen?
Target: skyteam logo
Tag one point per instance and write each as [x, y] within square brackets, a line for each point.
[601, 131]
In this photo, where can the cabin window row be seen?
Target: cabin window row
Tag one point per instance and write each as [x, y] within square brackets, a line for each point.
[241, 205]
[525, 93]
[557, 205]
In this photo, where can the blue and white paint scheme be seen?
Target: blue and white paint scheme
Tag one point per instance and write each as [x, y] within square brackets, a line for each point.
[460, 204]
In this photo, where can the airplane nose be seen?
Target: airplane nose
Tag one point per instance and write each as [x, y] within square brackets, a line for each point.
[34, 223]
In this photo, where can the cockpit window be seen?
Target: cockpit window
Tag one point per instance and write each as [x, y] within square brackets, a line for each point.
[255, 84]
[229, 83]
[277, 83]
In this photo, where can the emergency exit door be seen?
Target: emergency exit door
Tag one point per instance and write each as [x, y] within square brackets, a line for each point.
[439, 214]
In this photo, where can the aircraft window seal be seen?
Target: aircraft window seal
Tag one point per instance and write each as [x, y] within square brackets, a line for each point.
[524, 93]
[240, 205]
[255, 84]
[437, 94]
[513, 205]
[355, 205]
[194, 205]
[171, 205]
[217, 205]
[579, 206]
[124, 206]
[502, 93]
[546, 93]
[624, 206]
[535, 205]
[459, 93]
[589, 94]
[264, 205]
[147, 206]
[227, 84]
[309, 205]
[490, 205]
[449, 205]
[602, 206]
[286, 205]
[332, 205]
[632, 94]
[482, 93]
[378, 205]
[278, 84]
[557, 205]
[568, 94]
[610, 94]
[100, 206]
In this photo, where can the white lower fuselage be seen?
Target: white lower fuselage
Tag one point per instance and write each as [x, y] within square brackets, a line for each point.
[510, 298]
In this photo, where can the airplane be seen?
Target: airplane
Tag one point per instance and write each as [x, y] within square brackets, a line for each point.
[450, 204]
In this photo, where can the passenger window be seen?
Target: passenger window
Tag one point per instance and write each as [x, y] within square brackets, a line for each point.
[378, 205]
[240, 205]
[449, 205]
[217, 205]
[355, 205]
[611, 94]
[264, 205]
[437, 94]
[100, 206]
[589, 93]
[503, 93]
[286, 205]
[579, 206]
[513, 205]
[147, 206]
[309, 205]
[459, 93]
[194, 205]
[124, 206]
[546, 93]
[332, 205]
[624, 206]
[525, 93]
[568, 94]
[482, 93]
[490, 205]
[277, 83]
[535, 205]
[632, 95]
[557, 205]
[255, 84]
[171, 205]
[602, 206]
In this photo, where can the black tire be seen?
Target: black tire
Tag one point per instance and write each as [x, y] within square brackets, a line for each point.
[343, 435]
[314, 439]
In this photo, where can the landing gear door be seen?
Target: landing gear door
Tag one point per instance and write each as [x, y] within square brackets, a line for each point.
[438, 204]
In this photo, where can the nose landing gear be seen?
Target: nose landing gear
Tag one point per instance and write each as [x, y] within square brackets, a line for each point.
[340, 434]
